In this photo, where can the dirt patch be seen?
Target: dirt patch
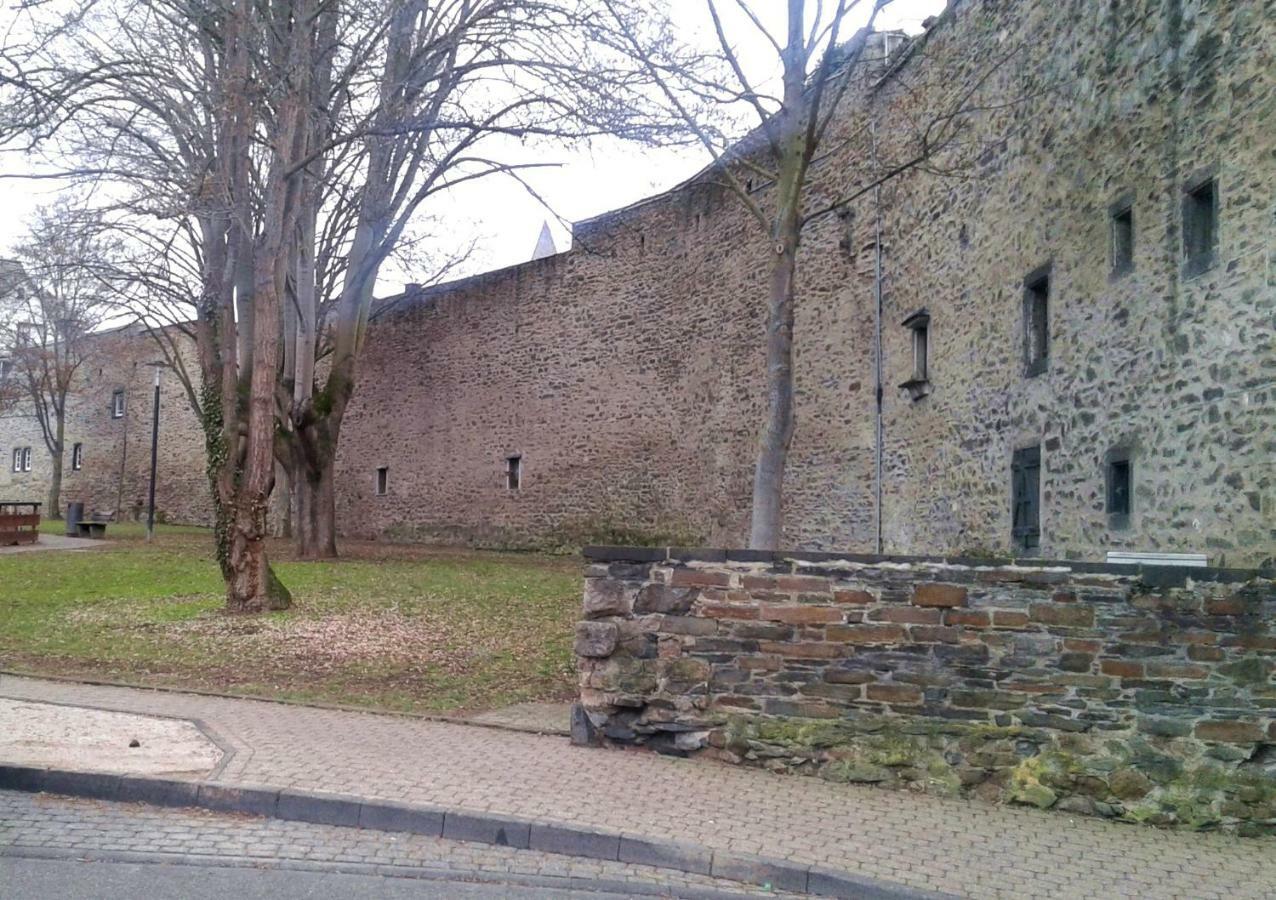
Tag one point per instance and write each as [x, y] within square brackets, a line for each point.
[337, 641]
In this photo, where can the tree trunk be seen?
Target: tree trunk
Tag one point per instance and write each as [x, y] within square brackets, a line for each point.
[54, 508]
[55, 489]
[773, 450]
[317, 511]
[281, 503]
[252, 586]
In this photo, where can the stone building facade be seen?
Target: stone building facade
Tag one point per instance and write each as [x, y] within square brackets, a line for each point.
[1091, 267]
[109, 418]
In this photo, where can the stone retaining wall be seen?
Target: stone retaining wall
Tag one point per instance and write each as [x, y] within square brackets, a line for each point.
[1131, 692]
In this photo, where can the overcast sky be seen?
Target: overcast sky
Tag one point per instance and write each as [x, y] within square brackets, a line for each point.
[500, 215]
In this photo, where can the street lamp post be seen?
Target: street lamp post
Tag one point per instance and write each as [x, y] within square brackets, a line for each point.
[150, 512]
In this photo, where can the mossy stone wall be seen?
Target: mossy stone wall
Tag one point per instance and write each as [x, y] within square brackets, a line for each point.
[1133, 693]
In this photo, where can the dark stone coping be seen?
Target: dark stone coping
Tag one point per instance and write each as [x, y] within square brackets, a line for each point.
[482, 827]
[1152, 575]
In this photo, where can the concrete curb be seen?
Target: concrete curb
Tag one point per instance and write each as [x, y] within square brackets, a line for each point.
[480, 827]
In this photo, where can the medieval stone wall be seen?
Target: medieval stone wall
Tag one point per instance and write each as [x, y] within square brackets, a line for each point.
[115, 475]
[628, 373]
[1142, 694]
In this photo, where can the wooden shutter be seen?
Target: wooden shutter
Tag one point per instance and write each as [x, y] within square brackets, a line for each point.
[1025, 484]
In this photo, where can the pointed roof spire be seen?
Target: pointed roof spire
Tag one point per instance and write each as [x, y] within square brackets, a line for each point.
[544, 244]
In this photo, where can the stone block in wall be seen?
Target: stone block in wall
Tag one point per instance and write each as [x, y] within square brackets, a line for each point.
[662, 598]
[608, 597]
[942, 595]
[595, 639]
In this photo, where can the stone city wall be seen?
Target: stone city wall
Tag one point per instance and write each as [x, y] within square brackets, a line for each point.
[628, 374]
[1144, 694]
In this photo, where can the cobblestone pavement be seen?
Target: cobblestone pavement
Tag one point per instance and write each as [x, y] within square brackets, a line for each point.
[962, 847]
[84, 827]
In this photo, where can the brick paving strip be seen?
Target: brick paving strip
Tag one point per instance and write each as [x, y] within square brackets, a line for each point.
[480, 777]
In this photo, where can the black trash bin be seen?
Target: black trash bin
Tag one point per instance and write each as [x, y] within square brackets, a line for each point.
[74, 516]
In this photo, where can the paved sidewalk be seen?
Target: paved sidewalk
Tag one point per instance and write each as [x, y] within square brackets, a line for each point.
[54, 542]
[962, 847]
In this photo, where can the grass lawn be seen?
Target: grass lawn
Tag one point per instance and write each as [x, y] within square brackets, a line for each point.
[390, 627]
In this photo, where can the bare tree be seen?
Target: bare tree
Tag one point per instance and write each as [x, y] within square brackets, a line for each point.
[289, 143]
[801, 117]
[53, 295]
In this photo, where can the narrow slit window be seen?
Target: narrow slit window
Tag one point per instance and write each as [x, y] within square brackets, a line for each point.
[383, 481]
[1122, 239]
[77, 457]
[17, 459]
[513, 472]
[117, 404]
[921, 338]
[1120, 488]
[1036, 323]
[1200, 226]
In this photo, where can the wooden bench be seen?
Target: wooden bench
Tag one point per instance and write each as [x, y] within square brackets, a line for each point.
[88, 528]
[19, 523]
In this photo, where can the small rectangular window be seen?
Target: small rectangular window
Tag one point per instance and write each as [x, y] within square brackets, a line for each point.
[383, 481]
[1122, 239]
[77, 457]
[117, 405]
[1036, 322]
[1200, 226]
[513, 472]
[1025, 491]
[22, 459]
[918, 325]
[1120, 489]
[6, 366]
[17, 459]
[921, 337]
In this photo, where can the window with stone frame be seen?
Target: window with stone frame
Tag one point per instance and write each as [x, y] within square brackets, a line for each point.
[17, 459]
[1121, 226]
[1036, 322]
[77, 457]
[1025, 493]
[918, 324]
[383, 481]
[513, 472]
[1200, 225]
[117, 404]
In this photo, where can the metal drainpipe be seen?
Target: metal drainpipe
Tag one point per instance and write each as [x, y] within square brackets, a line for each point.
[877, 333]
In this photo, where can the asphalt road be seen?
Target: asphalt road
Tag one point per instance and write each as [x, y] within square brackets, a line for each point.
[71, 879]
[65, 848]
